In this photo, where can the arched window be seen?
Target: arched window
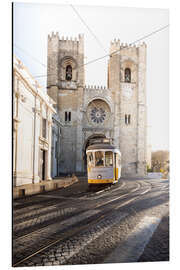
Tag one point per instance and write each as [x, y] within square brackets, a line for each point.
[127, 75]
[69, 73]
[127, 119]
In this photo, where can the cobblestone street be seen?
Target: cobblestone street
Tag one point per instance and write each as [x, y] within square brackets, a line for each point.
[125, 222]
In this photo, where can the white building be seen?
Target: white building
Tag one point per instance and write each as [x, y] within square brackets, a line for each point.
[32, 124]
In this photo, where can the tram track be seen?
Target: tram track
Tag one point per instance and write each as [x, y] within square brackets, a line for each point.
[32, 202]
[81, 226]
[20, 215]
[18, 233]
[97, 206]
[39, 218]
[140, 185]
[51, 243]
[116, 199]
[78, 228]
[50, 200]
[71, 233]
[25, 210]
[34, 213]
[76, 233]
[59, 228]
[125, 203]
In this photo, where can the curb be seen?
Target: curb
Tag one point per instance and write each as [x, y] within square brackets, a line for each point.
[42, 187]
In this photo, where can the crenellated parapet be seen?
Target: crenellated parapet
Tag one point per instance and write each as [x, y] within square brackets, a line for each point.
[74, 44]
[95, 87]
[56, 35]
[53, 35]
[116, 45]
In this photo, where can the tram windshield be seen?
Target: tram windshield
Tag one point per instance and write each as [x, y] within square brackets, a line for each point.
[109, 159]
[99, 158]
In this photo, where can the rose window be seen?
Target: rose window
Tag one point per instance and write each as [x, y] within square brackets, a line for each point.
[98, 115]
[98, 112]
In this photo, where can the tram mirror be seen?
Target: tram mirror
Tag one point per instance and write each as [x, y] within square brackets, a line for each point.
[109, 158]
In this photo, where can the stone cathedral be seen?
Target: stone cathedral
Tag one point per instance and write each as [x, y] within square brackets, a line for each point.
[117, 112]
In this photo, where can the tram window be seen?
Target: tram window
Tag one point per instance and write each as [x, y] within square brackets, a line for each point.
[99, 159]
[118, 160]
[109, 158]
[90, 159]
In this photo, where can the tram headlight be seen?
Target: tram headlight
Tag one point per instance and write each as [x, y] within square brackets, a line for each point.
[99, 176]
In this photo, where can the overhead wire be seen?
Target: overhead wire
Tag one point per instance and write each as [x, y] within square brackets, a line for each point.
[83, 21]
[35, 59]
[111, 54]
[99, 43]
[92, 33]
[97, 59]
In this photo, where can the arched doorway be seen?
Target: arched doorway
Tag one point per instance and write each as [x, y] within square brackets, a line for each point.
[86, 144]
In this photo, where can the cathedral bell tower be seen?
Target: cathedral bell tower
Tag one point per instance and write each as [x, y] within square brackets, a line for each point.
[65, 82]
[127, 81]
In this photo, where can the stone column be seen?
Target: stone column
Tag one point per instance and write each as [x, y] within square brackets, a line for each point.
[36, 146]
[48, 156]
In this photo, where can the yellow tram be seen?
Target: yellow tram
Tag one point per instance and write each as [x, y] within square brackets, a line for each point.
[103, 163]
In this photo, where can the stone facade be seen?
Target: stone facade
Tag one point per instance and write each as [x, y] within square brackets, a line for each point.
[149, 153]
[117, 111]
[55, 145]
[32, 123]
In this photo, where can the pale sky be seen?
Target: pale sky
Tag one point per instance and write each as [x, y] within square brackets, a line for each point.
[33, 23]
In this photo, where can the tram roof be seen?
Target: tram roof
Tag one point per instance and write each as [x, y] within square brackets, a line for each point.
[102, 146]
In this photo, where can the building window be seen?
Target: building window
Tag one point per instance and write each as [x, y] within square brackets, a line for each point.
[127, 75]
[127, 119]
[68, 116]
[65, 116]
[44, 128]
[69, 73]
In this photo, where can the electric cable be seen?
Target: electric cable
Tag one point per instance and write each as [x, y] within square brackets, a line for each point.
[111, 54]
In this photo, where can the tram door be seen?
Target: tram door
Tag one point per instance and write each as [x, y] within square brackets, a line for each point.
[115, 166]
